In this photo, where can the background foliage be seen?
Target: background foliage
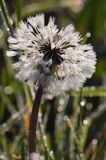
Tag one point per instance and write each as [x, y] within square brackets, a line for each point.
[70, 127]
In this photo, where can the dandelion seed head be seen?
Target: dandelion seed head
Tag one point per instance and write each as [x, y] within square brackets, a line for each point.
[51, 57]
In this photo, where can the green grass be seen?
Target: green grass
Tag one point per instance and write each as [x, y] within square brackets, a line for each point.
[67, 128]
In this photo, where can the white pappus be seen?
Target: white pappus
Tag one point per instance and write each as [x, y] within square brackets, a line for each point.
[50, 57]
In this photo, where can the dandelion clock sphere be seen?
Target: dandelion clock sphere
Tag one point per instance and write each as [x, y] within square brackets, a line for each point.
[51, 57]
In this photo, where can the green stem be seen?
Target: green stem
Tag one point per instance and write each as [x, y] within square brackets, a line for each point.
[33, 120]
[47, 152]
[81, 109]
[28, 95]
[6, 17]
[18, 11]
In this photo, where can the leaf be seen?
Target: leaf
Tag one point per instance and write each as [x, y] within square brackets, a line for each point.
[89, 91]
[18, 11]
[6, 17]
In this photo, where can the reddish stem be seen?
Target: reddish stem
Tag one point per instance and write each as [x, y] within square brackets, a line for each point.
[33, 120]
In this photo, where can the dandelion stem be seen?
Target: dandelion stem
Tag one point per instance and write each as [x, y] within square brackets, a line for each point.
[33, 120]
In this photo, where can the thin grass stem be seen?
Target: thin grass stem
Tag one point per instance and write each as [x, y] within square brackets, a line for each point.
[7, 20]
[18, 11]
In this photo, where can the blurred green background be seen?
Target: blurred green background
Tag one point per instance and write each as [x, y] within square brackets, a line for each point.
[70, 127]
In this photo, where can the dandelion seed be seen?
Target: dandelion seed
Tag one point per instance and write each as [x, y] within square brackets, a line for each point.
[49, 57]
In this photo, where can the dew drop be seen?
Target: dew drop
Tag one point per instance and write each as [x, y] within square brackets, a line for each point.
[85, 122]
[82, 103]
[7, 29]
[61, 101]
[65, 118]
[8, 90]
[88, 34]
[94, 141]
